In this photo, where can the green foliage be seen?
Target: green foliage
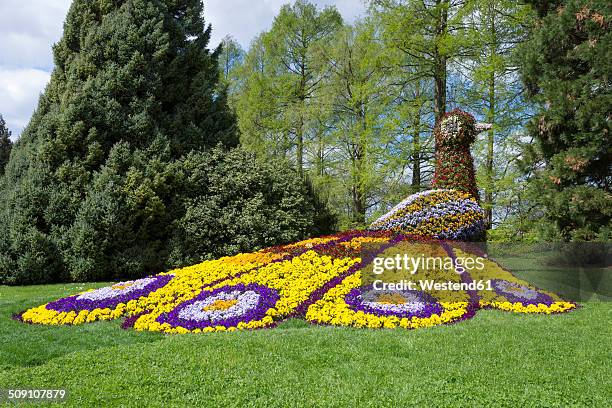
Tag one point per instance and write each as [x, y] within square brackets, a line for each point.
[566, 68]
[282, 82]
[321, 101]
[5, 145]
[100, 184]
[354, 149]
[380, 85]
[493, 90]
[429, 36]
[123, 226]
[236, 203]
[144, 214]
[231, 58]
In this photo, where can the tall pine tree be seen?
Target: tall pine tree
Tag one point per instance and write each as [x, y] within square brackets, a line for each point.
[98, 184]
[566, 68]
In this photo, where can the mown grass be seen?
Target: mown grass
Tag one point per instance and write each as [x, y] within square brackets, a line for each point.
[23, 345]
[495, 359]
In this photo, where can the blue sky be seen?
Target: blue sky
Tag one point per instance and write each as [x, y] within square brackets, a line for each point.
[28, 29]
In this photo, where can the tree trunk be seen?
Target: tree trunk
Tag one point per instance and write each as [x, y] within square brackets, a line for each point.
[359, 194]
[416, 162]
[440, 88]
[488, 201]
[440, 60]
[299, 146]
[416, 146]
[299, 133]
[320, 156]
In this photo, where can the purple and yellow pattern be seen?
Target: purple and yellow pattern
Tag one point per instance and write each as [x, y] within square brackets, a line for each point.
[320, 280]
[442, 214]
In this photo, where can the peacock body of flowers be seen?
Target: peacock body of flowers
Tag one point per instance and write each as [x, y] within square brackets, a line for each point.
[454, 134]
[442, 213]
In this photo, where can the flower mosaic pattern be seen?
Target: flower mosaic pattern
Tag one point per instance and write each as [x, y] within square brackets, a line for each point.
[111, 296]
[454, 163]
[318, 279]
[400, 303]
[225, 306]
[515, 292]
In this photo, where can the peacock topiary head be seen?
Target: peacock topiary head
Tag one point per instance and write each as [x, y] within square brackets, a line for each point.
[458, 128]
[454, 134]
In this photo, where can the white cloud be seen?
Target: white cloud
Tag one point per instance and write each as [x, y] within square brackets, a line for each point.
[350, 9]
[19, 91]
[29, 28]
[243, 19]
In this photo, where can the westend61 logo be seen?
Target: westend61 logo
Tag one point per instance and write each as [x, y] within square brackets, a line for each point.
[406, 265]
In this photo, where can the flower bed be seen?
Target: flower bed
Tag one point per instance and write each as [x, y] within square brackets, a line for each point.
[511, 293]
[321, 280]
[338, 307]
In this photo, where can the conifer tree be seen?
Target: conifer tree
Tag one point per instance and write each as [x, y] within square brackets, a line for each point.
[98, 182]
[566, 68]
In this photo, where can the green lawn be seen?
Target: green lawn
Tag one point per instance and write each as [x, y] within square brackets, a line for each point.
[495, 359]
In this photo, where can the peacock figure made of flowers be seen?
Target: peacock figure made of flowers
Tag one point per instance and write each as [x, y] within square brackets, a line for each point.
[326, 280]
[451, 210]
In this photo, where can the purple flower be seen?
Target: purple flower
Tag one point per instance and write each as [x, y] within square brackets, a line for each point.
[515, 293]
[414, 303]
[226, 306]
[110, 296]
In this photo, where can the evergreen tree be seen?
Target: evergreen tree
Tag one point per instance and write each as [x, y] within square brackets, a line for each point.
[5, 145]
[566, 68]
[97, 184]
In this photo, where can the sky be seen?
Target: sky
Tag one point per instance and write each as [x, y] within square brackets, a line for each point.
[29, 28]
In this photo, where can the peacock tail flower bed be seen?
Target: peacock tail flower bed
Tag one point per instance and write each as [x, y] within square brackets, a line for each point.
[509, 293]
[400, 303]
[110, 296]
[227, 306]
[135, 297]
[292, 281]
[324, 280]
[343, 305]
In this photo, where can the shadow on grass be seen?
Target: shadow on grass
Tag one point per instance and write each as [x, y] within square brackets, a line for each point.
[575, 283]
